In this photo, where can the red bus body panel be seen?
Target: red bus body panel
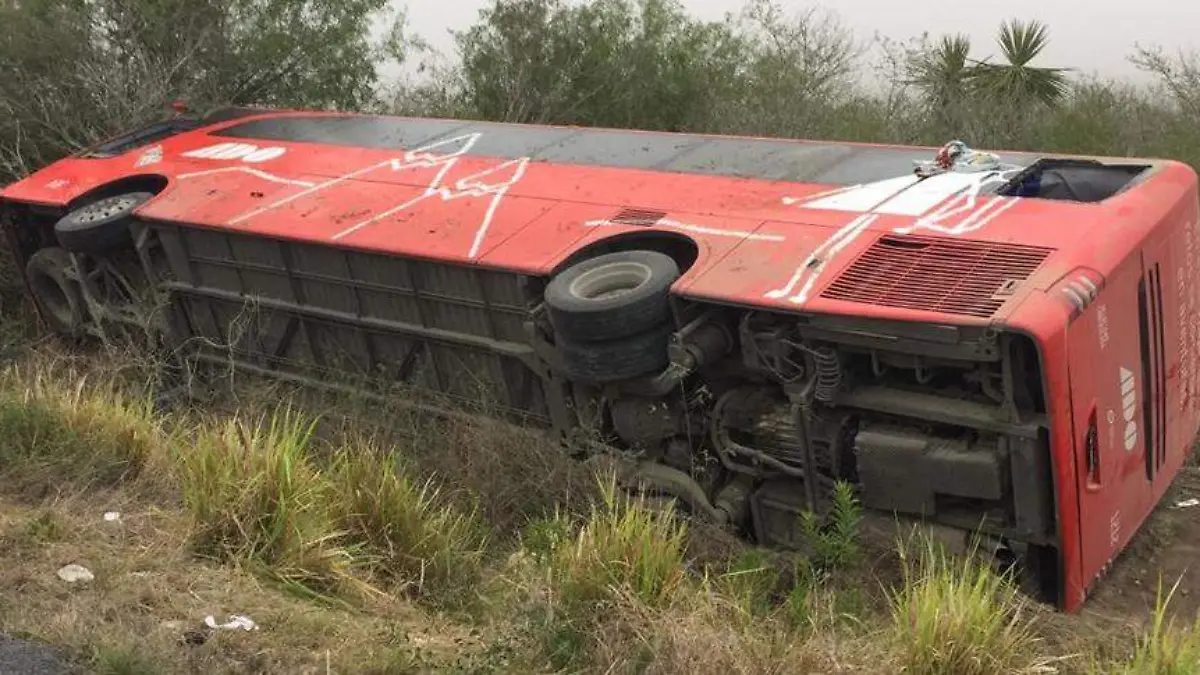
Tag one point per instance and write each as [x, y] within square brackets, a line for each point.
[773, 244]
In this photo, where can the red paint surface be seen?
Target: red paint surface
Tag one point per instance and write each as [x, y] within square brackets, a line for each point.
[542, 218]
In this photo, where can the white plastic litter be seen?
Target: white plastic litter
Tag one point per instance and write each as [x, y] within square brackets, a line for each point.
[956, 156]
[112, 516]
[235, 622]
[1187, 503]
[73, 573]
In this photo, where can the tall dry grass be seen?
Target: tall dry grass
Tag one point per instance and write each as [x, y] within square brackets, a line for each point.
[958, 616]
[409, 534]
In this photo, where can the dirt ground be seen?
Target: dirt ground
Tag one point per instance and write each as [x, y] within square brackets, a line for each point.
[149, 598]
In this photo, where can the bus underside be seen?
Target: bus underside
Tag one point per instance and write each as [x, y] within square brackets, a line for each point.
[746, 417]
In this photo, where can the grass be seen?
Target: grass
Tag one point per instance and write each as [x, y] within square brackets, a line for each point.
[960, 617]
[64, 429]
[412, 536]
[623, 546]
[255, 496]
[361, 521]
[1165, 648]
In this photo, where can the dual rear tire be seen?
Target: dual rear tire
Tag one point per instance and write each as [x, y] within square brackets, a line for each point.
[611, 315]
[94, 228]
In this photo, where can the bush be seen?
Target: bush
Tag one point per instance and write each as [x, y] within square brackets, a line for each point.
[407, 531]
[60, 428]
[256, 497]
[960, 617]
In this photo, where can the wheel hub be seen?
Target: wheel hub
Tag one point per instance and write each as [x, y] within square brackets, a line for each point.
[106, 208]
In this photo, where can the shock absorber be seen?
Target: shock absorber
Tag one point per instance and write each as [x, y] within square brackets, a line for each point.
[828, 371]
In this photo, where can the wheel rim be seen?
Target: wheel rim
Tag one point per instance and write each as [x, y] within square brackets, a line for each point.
[610, 281]
[105, 208]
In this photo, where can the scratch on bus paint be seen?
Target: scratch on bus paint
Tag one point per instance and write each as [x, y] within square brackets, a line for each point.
[697, 229]
[423, 157]
[270, 177]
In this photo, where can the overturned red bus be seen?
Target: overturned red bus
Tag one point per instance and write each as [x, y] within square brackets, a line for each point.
[1010, 349]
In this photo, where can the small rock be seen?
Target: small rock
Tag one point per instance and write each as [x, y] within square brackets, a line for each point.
[73, 573]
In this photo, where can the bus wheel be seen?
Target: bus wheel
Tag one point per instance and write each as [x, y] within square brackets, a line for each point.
[56, 294]
[101, 225]
[611, 297]
[616, 360]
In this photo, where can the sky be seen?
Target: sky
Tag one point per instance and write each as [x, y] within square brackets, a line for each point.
[1094, 36]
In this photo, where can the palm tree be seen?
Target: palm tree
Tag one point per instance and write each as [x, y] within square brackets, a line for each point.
[943, 73]
[1016, 80]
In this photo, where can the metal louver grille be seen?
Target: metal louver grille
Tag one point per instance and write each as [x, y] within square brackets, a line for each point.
[952, 276]
[638, 217]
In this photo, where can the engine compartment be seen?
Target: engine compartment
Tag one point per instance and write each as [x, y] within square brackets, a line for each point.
[764, 413]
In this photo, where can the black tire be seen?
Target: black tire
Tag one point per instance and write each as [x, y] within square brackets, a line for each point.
[59, 299]
[615, 360]
[100, 226]
[611, 296]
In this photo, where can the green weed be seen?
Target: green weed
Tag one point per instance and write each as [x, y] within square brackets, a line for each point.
[960, 617]
[255, 496]
[412, 536]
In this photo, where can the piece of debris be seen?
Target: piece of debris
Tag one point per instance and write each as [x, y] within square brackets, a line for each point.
[957, 156]
[112, 516]
[73, 573]
[1187, 503]
[235, 622]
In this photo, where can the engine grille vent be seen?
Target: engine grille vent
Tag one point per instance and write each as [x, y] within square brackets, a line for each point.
[638, 217]
[952, 276]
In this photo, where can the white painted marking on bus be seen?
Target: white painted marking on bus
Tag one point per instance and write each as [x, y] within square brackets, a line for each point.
[865, 198]
[697, 229]
[245, 169]
[816, 261]
[469, 186]
[420, 157]
[925, 195]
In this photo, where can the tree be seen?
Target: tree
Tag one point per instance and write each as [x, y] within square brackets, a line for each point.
[1017, 80]
[795, 70]
[75, 71]
[943, 73]
[616, 63]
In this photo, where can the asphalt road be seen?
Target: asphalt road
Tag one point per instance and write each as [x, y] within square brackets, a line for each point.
[21, 657]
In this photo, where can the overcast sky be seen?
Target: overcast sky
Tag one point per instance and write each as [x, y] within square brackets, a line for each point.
[1091, 35]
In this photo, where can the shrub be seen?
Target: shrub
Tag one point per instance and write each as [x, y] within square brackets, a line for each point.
[255, 496]
[59, 428]
[960, 617]
[410, 534]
